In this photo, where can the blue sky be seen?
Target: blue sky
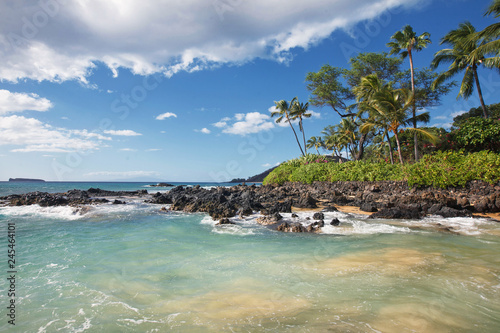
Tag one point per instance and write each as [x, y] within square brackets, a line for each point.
[182, 91]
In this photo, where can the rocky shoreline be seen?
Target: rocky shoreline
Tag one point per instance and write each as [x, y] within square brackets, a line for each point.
[386, 200]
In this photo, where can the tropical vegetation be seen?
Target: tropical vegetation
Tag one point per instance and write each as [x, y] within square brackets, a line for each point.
[383, 107]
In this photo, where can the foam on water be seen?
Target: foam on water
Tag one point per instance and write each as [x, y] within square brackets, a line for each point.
[55, 212]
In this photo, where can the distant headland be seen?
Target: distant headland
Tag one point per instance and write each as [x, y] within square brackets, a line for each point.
[26, 180]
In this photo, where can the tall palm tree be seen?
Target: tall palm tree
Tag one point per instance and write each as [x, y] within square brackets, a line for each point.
[491, 34]
[315, 142]
[404, 42]
[283, 112]
[299, 111]
[463, 55]
[368, 87]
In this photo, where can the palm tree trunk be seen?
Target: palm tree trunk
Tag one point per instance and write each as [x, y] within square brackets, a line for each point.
[361, 147]
[485, 111]
[295, 133]
[414, 106]
[390, 147]
[399, 148]
[303, 135]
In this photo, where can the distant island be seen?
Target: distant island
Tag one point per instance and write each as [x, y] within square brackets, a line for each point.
[254, 179]
[26, 180]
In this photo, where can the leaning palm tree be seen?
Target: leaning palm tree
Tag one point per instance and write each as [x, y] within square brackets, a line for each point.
[463, 56]
[283, 112]
[404, 42]
[299, 111]
[492, 35]
[315, 142]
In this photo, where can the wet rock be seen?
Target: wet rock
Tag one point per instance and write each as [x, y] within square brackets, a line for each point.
[368, 207]
[306, 201]
[335, 222]
[270, 219]
[296, 227]
[330, 209]
[224, 221]
[118, 202]
[319, 216]
[396, 213]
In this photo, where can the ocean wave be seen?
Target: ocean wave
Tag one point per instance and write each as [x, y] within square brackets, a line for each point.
[55, 212]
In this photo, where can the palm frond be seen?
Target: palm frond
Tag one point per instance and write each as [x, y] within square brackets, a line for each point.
[467, 86]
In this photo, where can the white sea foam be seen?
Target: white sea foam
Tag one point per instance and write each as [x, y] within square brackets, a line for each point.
[356, 227]
[462, 225]
[43, 328]
[55, 212]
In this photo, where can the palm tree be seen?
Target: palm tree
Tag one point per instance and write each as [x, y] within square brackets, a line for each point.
[299, 111]
[333, 141]
[463, 55]
[366, 90]
[491, 34]
[347, 135]
[391, 111]
[404, 42]
[315, 142]
[283, 111]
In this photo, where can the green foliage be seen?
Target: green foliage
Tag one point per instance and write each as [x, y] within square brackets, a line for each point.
[493, 109]
[478, 134]
[441, 169]
[450, 168]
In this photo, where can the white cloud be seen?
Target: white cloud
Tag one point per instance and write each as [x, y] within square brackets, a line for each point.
[18, 102]
[128, 149]
[443, 125]
[250, 123]
[204, 131]
[122, 133]
[150, 36]
[154, 149]
[166, 115]
[220, 124]
[458, 113]
[314, 114]
[35, 136]
[123, 174]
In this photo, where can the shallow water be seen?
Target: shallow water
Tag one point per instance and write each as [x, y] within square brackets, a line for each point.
[132, 268]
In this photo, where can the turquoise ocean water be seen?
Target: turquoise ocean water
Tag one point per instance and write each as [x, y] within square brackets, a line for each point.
[133, 268]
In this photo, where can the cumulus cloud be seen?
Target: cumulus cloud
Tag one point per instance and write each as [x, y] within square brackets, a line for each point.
[204, 131]
[220, 124]
[18, 102]
[249, 123]
[34, 136]
[122, 133]
[66, 41]
[166, 115]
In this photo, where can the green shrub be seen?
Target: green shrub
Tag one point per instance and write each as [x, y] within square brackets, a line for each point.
[441, 169]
